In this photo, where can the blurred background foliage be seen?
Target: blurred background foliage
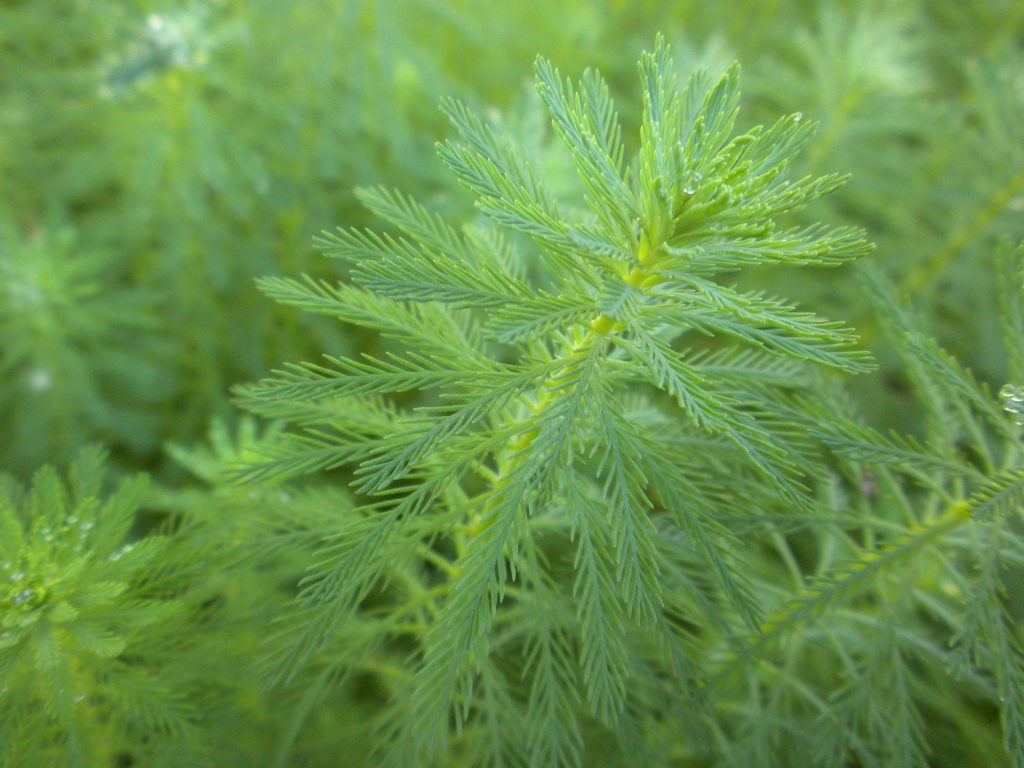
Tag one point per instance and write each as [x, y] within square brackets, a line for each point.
[157, 157]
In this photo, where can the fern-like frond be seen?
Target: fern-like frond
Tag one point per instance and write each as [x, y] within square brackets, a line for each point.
[845, 581]
[1000, 496]
[903, 454]
[533, 435]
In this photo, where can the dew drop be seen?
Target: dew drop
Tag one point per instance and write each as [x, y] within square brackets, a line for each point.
[1012, 396]
[798, 117]
[39, 380]
[115, 556]
[25, 596]
[1011, 392]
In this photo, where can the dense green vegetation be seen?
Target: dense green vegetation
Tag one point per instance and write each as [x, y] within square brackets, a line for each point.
[554, 460]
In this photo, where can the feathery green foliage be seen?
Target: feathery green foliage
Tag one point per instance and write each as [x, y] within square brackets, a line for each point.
[554, 409]
[69, 336]
[85, 611]
[575, 480]
[969, 475]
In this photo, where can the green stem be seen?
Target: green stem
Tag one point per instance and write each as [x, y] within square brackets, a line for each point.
[919, 278]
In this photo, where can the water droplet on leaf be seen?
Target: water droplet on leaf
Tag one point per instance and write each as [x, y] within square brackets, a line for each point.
[39, 380]
[1013, 401]
[23, 597]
